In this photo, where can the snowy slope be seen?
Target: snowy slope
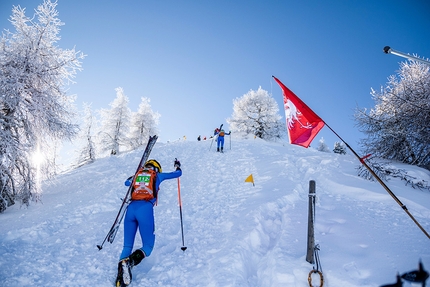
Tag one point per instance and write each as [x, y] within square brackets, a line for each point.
[237, 234]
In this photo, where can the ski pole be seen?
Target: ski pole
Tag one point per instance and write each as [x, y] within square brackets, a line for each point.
[183, 248]
[212, 142]
[215, 138]
[230, 140]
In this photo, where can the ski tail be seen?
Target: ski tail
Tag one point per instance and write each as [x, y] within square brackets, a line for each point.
[110, 237]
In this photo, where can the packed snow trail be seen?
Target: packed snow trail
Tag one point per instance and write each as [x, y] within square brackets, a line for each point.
[236, 234]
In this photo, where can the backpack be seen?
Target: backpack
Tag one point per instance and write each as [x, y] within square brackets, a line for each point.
[221, 133]
[144, 185]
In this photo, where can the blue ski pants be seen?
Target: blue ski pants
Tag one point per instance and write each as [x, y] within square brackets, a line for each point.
[140, 214]
[220, 141]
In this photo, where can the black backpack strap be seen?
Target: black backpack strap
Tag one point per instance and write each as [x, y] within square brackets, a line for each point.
[154, 187]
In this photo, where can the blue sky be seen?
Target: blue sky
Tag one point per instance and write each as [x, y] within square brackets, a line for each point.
[192, 58]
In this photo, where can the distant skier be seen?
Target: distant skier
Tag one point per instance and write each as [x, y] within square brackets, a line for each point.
[140, 214]
[199, 138]
[220, 141]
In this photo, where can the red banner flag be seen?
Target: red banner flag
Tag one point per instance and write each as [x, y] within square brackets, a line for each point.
[302, 123]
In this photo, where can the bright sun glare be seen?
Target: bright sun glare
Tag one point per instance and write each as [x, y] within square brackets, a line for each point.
[38, 158]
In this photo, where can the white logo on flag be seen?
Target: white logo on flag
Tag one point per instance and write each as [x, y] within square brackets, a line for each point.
[292, 114]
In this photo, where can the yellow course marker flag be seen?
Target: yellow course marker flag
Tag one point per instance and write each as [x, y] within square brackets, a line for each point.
[250, 179]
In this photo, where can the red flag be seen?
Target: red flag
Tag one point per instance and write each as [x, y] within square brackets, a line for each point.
[302, 123]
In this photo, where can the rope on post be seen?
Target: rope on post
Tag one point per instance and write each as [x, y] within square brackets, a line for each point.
[318, 269]
[310, 278]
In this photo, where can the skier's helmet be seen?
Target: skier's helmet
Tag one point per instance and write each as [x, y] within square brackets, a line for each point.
[154, 163]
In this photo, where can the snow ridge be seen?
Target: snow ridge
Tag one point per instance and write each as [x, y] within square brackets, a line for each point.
[237, 234]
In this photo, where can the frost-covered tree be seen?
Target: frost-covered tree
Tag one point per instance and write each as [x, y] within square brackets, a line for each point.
[339, 148]
[34, 108]
[143, 124]
[256, 113]
[47, 161]
[322, 146]
[87, 153]
[397, 128]
[115, 124]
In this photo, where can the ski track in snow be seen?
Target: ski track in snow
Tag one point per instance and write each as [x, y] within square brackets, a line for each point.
[236, 234]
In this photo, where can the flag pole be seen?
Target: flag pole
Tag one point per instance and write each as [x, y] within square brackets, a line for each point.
[388, 50]
[381, 182]
[290, 99]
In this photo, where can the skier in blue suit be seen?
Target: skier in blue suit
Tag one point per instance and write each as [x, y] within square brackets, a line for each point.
[220, 140]
[140, 214]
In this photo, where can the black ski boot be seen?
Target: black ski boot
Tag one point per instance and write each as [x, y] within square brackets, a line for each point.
[136, 257]
[217, 149]
[124, 268]
[118, 282]
[222, 149]
[124, 273]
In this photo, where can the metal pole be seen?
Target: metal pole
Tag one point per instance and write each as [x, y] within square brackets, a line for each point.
[311, 216]
[388, 50]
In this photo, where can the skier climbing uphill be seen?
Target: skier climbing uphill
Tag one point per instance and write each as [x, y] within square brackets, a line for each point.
[220, 141]
[140, 214]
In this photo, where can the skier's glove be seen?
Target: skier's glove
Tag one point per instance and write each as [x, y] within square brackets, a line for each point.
[229, 133]
[177, 164]
[128, 181]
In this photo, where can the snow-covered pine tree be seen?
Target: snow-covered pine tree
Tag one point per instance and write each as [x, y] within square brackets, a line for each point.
[115, 124]
[143, 124]
[397, 127]
[87, 153]
[257, 113]
[339, 148]
[34, 108]
[322, 146]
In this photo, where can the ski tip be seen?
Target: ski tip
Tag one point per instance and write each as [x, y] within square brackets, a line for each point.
[99, 247]
[183, 248]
